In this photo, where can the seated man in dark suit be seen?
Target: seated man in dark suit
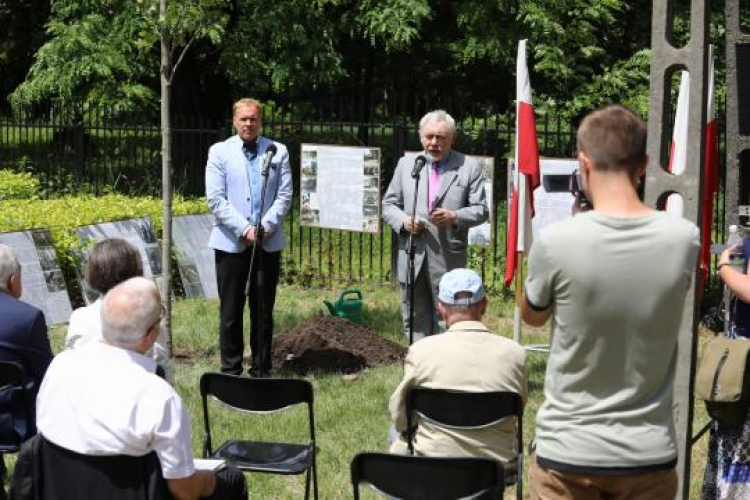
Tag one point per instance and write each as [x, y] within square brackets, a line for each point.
[105, 398]
[23, 339]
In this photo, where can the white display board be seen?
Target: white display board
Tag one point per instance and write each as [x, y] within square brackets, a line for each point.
[138, 232]
[195, 260]
[340, 187]
[42, 279]
[552, 199]
[481, 235]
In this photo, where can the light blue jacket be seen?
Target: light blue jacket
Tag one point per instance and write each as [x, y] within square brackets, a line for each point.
[228, 195]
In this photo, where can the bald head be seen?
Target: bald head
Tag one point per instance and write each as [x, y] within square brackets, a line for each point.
[10, 271]
[130, 311]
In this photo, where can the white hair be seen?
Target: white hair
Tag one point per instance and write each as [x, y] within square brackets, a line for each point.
[9, 266]
[128, 311]
[438, 115]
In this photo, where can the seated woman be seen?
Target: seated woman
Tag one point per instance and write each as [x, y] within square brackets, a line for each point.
[111, 262]
[727, 473]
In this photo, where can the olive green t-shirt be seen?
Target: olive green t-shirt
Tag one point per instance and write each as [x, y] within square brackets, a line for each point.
[617, 288]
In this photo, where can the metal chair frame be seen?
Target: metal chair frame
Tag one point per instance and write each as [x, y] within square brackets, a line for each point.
[262, 396]
[455, 409]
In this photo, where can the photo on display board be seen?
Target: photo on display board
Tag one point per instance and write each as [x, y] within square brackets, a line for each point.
[370, 210]
[371, 197]
[309, 183]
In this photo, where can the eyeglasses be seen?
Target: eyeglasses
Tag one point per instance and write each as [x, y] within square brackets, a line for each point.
[437, 137]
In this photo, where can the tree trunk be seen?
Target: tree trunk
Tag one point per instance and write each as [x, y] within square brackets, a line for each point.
[166, 175]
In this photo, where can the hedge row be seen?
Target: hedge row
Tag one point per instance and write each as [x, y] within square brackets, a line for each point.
[18, 186]
[63, 215]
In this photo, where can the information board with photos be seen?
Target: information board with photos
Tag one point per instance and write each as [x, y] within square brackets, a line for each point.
[138, 232]
[43, 281]
[340, 187]
[195, 260]
[552, 199]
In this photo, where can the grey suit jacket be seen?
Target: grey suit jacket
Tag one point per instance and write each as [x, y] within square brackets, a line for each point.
[461, 190]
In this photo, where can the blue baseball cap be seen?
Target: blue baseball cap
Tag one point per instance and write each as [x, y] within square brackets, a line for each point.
[464, 282]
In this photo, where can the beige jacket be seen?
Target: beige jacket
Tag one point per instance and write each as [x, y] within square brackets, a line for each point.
[469, 358]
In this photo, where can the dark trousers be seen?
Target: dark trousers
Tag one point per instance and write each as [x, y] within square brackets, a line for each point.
[232, 271]
[230, 485]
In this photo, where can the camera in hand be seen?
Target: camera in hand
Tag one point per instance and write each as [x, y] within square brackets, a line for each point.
[581, 204]
[570, 183]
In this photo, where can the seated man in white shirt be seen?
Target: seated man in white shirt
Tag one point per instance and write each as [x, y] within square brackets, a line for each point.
[104, 398]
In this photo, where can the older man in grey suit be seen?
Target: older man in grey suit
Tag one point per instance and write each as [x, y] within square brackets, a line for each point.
[450, 200]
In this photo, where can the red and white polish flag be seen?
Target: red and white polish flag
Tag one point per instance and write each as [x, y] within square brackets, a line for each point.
[678, 159]
[526, 177]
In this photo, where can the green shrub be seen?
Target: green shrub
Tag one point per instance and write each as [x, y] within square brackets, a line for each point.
[18, 186]
[63, 215]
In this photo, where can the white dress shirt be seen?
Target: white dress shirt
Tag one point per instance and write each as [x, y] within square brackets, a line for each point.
[104, 400]
[85, 325]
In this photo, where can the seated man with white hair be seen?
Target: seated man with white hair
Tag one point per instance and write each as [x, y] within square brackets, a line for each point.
[467, 357]
[105, 399]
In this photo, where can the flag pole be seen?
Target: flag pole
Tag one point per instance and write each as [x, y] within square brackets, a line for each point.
[520, 243]
[519, 295]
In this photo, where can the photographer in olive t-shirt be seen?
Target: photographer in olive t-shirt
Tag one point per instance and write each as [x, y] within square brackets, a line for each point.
[617, 277]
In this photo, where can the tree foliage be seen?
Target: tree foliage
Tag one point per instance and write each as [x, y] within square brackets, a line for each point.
[280, 46]
[105, 52]
[587, 53]
[22, 34]
[89, 57]
[581, 53]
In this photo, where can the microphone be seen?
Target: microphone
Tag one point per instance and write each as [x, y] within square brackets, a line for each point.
[270, 152]
[418, 164]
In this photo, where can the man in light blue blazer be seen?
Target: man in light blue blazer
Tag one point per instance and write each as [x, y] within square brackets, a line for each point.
[233, 191]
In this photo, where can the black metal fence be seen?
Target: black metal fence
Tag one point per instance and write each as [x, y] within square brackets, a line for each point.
[104, 151]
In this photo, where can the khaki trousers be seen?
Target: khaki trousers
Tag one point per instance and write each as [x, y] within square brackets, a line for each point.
[550, 484]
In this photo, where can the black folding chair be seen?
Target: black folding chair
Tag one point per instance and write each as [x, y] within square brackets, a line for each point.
[262, 395]
[45, 470]
[468, 410]
[16, 408]
[435, 478]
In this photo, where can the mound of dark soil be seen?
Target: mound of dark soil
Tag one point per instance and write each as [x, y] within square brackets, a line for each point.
[330, 344]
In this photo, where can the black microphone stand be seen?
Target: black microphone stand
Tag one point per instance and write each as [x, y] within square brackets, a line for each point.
[256, 322]
[411, 249]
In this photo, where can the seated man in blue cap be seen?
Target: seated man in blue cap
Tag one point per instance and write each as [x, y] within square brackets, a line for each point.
[467, 357]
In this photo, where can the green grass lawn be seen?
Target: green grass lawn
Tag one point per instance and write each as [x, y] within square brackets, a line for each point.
[351, 412]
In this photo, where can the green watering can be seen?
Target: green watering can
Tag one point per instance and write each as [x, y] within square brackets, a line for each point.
[349, 305]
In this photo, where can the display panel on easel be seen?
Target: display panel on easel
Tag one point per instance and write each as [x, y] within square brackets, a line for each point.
[43, 282]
